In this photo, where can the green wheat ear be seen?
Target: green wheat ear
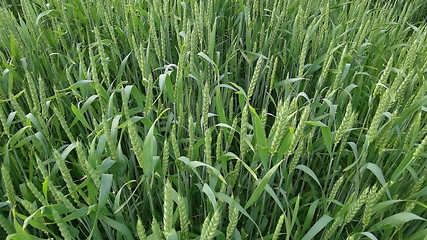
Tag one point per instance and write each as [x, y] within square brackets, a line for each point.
[167, 209]
[10, 191]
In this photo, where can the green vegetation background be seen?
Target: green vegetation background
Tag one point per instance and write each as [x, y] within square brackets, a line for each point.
[234, 119]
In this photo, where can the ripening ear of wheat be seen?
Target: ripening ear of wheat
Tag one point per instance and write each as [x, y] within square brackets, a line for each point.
[151, 119]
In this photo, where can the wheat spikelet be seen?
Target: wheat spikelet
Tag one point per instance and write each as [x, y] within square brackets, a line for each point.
[63, 123]
[243, 131]
[175, 145]
[218, 150]
[328, 61]
[167, 209]
[344, 124]
[355, 208]
[183, 217]
[254, 79]
[156, 229]
[382, 107]
[3, 120]
[209, 232]
[165, 159]
[233, 218]
[29, 207]
[19, 111]
[153, 35]
[10, 191]
[35, 103]
[297, 155]
[420, 149]
[61, 198]
[62, 226]
[278, 227]
[87, 167]
[36, 193]
[335, 189]
[71, 186]
[369, 205]
[140, 230]
[279, 124]
[332, 229]
[205, 107]
[192, 136]
[300, 129]
[409, 206]
[379, 90]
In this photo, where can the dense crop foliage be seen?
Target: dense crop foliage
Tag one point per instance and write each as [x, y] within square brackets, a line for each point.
[234, 119]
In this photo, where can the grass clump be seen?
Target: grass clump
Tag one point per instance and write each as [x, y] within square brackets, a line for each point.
[213, 119]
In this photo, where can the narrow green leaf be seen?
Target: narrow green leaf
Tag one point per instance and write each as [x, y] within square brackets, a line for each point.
[395, 220]
[104, 192]
[317, 227]
[149, 151]
[211, 195]
[80, 116]
[261, 186]
[309, 172]
[260, 137]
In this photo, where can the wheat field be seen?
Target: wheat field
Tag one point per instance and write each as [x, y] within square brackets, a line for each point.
[234, 119]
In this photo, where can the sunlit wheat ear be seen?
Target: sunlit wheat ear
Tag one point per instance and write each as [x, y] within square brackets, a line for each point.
[183, 217]
[167, 209]
[304, 51]
[19, 111]
[155, 227]
[62, 226]
[29, 207]
[165, 158]
[208, 146]
[297, 155]
[325, 68]
[35, 103]
[233, 218]
[337, 79]
[175, 145]
[205, 107]
[369, 205]
[379, 88]
[420, 149]
[276, 234]
[333, 228]
[103, 56]
[218, 149]
[409, 206]
[255, 77]
[300, 129]
[37, 193]
[243, 131]
[346, 134]
[61, 198]
[209, 232]
[335, 189]
[345, 124]
[10, 191]
[3, 120]
[383, 106]
[71, 186]
[63, 123]
[140, 230]
[153, 35]
[87, 167]
[192, 136]
[410, 131]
